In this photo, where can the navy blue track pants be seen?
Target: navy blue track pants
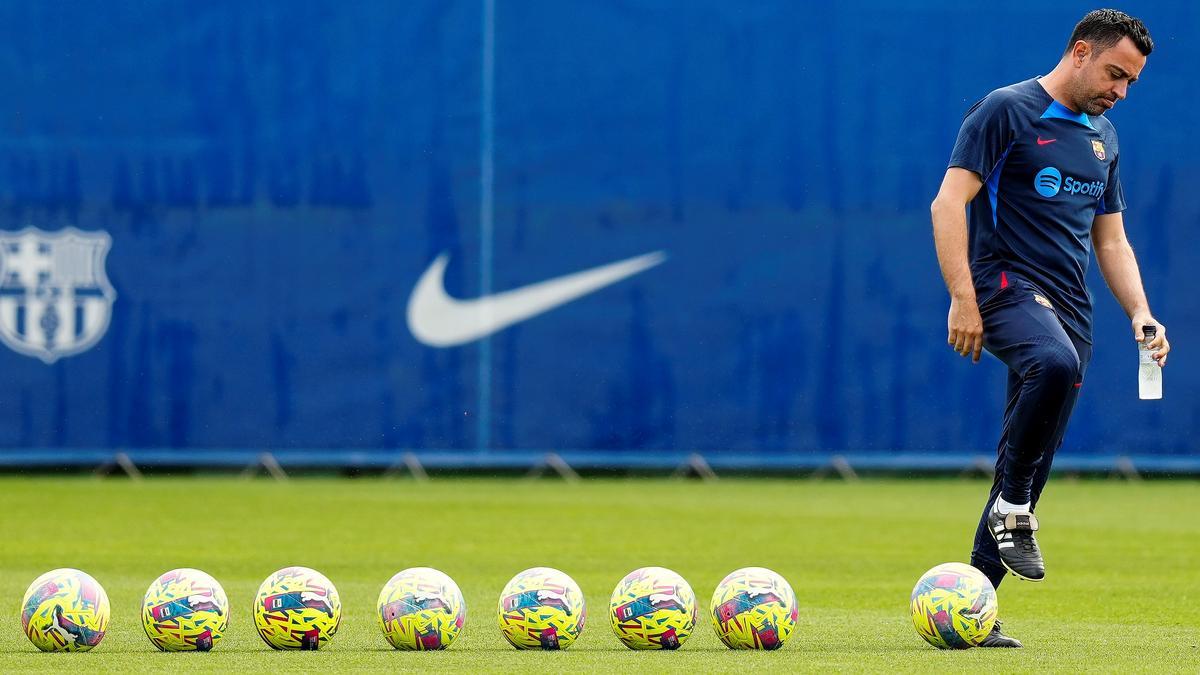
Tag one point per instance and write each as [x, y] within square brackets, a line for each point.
[1045, 363]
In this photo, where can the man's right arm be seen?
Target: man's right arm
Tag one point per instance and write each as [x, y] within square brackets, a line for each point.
[949, 213]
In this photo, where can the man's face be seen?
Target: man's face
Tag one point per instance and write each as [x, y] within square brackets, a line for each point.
[1103, 78]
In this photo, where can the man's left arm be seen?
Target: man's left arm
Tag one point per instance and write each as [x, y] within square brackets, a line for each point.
[1120, 270]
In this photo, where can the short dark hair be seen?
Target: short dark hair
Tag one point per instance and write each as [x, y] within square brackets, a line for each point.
[1104, 28]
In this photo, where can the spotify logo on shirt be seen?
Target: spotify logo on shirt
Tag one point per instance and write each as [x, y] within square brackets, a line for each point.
[1049, 182]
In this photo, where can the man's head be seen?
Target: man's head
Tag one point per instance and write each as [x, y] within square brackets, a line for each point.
[1105, 55]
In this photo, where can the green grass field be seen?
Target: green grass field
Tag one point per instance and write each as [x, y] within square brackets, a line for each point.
[1123, 588]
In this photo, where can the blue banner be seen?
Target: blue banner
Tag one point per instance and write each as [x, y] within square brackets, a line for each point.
[687, 226]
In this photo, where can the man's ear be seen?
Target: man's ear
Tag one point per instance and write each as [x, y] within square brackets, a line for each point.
[1080, 52]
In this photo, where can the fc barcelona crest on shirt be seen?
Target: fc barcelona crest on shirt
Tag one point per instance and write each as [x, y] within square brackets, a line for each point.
[55, 298]
[1098, 149]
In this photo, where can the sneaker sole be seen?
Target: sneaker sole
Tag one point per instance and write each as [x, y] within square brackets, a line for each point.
[1015, 573]
[1005, 646]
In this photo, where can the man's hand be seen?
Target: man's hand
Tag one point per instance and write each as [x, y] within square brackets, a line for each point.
[965, 327]
[1120, 270]
[949, 215]
[1158, 342]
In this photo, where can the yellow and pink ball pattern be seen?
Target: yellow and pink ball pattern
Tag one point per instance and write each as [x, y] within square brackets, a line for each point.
[754, 608]
[65, 610]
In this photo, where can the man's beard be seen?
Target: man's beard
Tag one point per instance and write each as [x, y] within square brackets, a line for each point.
[1095, 107]
[1087, 101]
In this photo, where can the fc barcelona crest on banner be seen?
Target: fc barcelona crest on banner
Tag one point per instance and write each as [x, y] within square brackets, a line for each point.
[55, 298]
[1098, 148]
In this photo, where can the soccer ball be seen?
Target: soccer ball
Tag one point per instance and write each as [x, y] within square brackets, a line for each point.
[754, 608]
[65, 610]
[185, 610]
[541, 608]
[297, 608]
[421, 608]
[653, 608]
[953, 606]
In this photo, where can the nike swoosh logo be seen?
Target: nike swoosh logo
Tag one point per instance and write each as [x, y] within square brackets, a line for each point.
[438, 320]
[1046, 142]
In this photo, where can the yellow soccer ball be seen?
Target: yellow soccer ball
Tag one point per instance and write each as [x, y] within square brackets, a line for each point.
[421, 609]
[541, 608]
[185, 610]
[297, 608]
[954, 606]
[653, 608]
[754, 608]
[65, 610]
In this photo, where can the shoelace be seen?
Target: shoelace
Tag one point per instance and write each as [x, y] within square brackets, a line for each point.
[1024, 540]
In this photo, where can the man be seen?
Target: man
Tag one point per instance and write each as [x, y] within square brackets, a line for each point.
[1037, 164]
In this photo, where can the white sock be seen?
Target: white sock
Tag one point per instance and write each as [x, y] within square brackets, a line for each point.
[1004, 508]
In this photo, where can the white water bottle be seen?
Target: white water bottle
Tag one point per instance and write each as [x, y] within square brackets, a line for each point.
[1149, 372]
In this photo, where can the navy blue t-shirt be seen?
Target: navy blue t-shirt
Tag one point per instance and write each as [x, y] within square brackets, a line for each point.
[1047, 172]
